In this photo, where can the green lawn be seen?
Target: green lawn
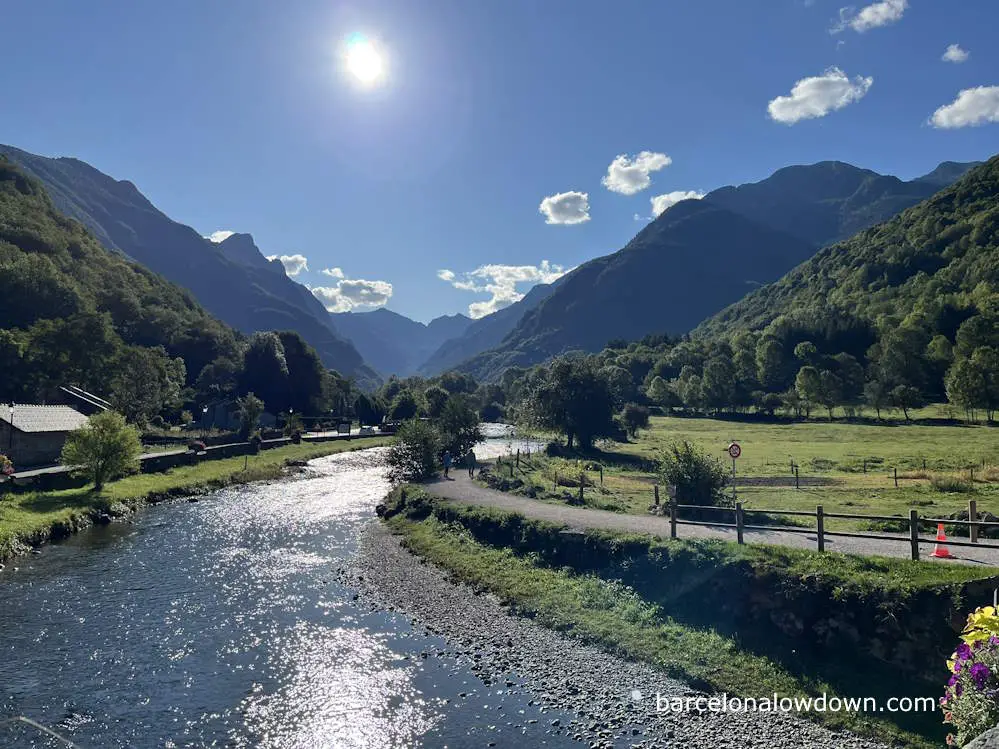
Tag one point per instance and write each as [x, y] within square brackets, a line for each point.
[29, 517]
[833, 452]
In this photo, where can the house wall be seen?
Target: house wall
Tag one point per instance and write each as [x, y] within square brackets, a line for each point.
[31, 449]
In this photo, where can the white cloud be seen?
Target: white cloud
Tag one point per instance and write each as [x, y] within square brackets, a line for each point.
[349, 294]
[500, 281]
[219, 236]
[872, 16]
[973, 106]
[293, 264]
[818, 96]
[566, 208]
[661, 202]
[333, 272]
[628, 175]
[954, 53]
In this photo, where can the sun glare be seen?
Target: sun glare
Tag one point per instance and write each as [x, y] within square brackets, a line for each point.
[364, 61]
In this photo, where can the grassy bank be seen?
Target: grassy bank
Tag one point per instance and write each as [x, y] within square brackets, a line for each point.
[35, 517]
[645, 617]
[831, 459]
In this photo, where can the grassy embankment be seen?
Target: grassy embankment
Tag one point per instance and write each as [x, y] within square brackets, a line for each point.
[832, 453]
[34, 517]
[597, 607]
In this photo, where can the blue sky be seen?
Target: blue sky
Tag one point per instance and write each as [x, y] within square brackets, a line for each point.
[240, 116]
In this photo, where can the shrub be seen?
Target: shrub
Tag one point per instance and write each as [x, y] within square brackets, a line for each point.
[971, 699]
[950, 484]
[633, 418]
[293, 425]
[6, 465]
[250, 409]
[699, 478]
[104, 448]
[158, 422]
[413, 456]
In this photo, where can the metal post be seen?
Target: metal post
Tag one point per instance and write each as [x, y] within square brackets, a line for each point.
[973, 516]
[733, 482]
[914, 533]
[738, 521]
[820, 528]
[672, 519]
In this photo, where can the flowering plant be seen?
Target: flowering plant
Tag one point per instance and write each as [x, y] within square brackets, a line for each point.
[971, 699]
[6, 466]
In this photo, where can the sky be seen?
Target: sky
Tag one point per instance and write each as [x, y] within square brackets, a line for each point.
[500, 142]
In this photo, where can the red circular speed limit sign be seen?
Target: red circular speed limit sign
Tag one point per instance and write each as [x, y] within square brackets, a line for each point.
[734, 450]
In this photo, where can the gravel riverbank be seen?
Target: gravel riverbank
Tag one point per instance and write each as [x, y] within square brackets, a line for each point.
[614, 699]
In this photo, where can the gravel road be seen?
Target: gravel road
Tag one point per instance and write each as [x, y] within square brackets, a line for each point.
[614, 699]
[461, 489]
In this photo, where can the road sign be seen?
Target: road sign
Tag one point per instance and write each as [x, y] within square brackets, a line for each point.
[734, 450]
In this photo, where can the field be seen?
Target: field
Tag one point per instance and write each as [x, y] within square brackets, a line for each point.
[30, 517]
[845, 467]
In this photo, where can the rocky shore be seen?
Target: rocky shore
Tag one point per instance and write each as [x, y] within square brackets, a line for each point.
[613, 699]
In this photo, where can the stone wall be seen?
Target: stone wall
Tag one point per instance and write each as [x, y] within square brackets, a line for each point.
[29, 449]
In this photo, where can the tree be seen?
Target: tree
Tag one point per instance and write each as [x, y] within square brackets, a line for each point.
[770, 363]
[659, 392]
[718, 383]
[986, 359]
[305, 376]
[436, 398]
[966, 386]
[806, 352]
[145, 382]
[250, 408]
[369, 409]
[830, 390]
[414, 454]
[405, 406]
[808, 385]
[105, 448]
[621, 385]
[698, 478]
[877, 394]
[572, 396]
[458, 426]
[634, 417]
[492, 412]
[906, 397]
[265, 371]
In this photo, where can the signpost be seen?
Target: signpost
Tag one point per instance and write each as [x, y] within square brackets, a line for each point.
[734, 451]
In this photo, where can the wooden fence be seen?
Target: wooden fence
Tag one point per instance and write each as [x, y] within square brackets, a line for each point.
[914, 521]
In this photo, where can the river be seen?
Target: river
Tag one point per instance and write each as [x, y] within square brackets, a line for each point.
[221, 623]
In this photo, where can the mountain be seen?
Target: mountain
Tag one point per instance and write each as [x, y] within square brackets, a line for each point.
[241, 249]
[243, 294]
[939, 258]
[484, 333]
[394, 344]
[73, 313]
[948, 173]
[700, 256]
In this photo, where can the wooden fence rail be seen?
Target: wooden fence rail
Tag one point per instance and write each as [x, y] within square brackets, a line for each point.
[913, 522]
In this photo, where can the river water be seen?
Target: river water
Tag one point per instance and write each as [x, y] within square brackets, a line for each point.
[221, 623]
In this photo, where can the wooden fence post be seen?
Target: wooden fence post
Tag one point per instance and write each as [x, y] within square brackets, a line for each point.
[820, 528]
[601, 474]
[914, 533]
[655, 493]
[924, 464]
[518, 457]
[738, 522]
[973, 516]
[672, 518]
[972, 474]
[895, 471]
[796, 477]
[865, 465]
[511, 469]
[582, 481]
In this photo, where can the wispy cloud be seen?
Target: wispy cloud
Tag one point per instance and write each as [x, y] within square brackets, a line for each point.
[628, 175]
[818, 96]
[500, 282]
[955, 54]
[566, 208]
[871, 16]
[219, 236]
[973, 106]
[293, 264]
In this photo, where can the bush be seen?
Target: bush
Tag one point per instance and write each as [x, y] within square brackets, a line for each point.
[158, 422]
[699, 478]
[6, 465]
[633, 418]
[104, 448]
[293, 426]
[413, 456]
[970, 701]
[950, 484]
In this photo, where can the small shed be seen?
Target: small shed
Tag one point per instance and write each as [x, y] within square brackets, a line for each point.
[32, 435]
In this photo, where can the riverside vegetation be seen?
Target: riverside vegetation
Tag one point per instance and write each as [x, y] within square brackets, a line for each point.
[692, 607]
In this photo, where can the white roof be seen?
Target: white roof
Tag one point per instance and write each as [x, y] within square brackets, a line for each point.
[31, 418]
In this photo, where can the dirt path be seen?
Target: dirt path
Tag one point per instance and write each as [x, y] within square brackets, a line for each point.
[460, 489]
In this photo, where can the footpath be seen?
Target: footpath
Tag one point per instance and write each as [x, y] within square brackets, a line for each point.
[459, 488]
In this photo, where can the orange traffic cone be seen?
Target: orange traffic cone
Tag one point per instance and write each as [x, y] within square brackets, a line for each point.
[940, 551]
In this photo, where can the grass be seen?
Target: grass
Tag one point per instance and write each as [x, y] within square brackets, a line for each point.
[616, 617]
[33, 517]
[832, 454]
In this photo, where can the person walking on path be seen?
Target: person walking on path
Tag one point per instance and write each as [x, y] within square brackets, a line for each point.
[470, 461]
[447, 462]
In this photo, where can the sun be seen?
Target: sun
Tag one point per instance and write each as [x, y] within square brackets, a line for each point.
[364, 61]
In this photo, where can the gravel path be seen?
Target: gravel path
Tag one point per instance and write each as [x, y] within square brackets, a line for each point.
[461, 489]
[614, 699]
